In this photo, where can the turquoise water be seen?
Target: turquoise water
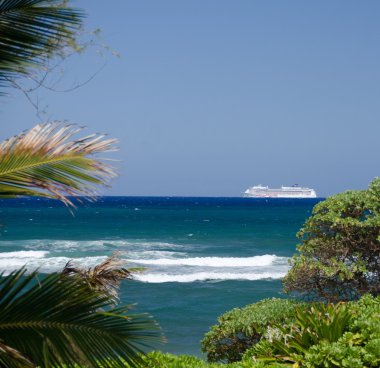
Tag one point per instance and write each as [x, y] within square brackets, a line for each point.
[203, 256]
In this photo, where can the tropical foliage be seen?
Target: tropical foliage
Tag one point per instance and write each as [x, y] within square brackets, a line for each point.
[241, 328]
[329, 336]
[339, 257]
[312, 324]
[31, 31]
[69, 320]
[160, 360]
[59, 321]
[45, 162]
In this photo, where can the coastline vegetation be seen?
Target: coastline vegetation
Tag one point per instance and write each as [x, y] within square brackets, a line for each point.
[70, 319]
[339, 255]
[334, 318]
[241, 328]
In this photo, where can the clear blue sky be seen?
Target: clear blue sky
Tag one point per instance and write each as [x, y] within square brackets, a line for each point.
[212, 96]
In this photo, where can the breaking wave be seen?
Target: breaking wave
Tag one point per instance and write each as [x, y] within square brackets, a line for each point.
[258, 261]
[164, 262]
[208, 276]
[32, 260]
[24, 254]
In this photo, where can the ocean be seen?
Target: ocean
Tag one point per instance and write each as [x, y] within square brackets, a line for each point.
[202, 256]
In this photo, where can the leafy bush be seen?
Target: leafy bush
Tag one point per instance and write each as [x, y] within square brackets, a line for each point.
[341, 335]
[339, 257]
[160, 360]
[241, 328]
[313, 324]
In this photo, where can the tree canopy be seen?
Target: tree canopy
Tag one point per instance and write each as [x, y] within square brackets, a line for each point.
[339, 256]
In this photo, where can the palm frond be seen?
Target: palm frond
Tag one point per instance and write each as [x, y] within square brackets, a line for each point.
[104, 277]
[61, 322]
[11, 358]
[31, 30]
[44, 162]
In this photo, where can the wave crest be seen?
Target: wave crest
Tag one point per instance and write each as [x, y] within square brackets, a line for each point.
[208, 276]
[162, 265]
[24, 254]
[256, 261]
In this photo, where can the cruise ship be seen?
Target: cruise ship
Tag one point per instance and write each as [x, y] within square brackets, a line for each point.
[295, 191]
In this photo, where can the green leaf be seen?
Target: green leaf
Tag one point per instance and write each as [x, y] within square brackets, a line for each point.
[44, 162]
[61, 322]
[30, 31]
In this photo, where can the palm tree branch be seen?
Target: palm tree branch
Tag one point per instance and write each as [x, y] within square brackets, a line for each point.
[44, 161]
[99, 325]
[31, 31]
[70, 321]
[39, 162]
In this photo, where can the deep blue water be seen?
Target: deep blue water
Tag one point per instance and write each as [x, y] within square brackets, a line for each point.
[203, 256]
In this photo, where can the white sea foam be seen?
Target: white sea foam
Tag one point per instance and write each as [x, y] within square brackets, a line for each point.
[257, 261]
[8, 263]
[136, 256]
[164, 262]
[207, 276]
[24, 254]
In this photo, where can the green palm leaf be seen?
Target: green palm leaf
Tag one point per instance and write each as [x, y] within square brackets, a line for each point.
[60, 322]
[31, 31]
[44, 162]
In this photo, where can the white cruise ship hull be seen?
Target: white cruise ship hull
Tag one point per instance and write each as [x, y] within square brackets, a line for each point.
[284, 192]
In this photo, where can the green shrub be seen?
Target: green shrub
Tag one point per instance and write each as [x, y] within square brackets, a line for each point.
[241, 328]
[160, 360]
[313, 324]
[339, 258]
[340, 354]
[325, 336]
[359, 346]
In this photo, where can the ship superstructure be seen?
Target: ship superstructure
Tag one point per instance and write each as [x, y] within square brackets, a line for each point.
[295, 191]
